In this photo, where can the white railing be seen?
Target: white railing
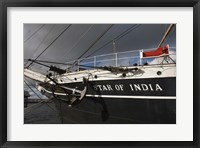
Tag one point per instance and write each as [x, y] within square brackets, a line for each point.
[120, 59]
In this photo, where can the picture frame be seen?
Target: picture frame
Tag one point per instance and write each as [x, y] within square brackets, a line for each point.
[89, 3]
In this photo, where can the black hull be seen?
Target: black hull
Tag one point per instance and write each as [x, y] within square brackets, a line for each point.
[154, 103]
[127, 87]
[118, 111]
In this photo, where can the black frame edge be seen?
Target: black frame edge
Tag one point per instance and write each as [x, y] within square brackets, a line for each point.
[3, 75]
[100, 3]
[196, 73]
[1, 103]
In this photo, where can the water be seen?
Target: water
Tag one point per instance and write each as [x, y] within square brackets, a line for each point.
[89, 111]
[43, 113]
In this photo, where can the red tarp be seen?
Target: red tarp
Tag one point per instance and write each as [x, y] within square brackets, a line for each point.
[159, 51]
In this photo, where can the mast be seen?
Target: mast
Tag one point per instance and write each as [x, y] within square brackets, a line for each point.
[115, 52]
[166, 34]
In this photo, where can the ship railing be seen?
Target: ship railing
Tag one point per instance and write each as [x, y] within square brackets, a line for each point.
[121, 59]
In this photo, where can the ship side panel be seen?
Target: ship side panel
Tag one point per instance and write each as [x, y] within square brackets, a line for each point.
[130, 87]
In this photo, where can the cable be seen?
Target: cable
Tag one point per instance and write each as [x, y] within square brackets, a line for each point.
[110, 26]
[41, 43]
[169, 39]
[82, 35]
[165, 35]
[127, 32]
[116, 38]
[51, 43]
[49, 62]
[32, 90]
[34, 33]
[37, 94]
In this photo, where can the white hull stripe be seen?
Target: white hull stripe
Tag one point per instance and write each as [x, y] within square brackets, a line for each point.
[132, 97]
[107, 78]
[61, 94]
[118, 96]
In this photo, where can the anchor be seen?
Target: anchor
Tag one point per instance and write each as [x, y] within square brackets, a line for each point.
[75, 96]
[75, 92]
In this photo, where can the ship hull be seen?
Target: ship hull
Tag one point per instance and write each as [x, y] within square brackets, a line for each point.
[130, 88]
[123, 101]
[119, 111]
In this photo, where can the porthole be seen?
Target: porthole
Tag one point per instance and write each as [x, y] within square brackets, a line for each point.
[124, 74]
[159, 73]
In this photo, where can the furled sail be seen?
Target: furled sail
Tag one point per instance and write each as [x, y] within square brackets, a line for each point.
[158, 52]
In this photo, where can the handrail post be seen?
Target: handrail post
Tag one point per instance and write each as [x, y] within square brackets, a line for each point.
[141, 56]
[78, 65]
[94, 61]
[116, 59]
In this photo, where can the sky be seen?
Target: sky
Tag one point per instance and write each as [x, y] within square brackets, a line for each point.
[68, 42]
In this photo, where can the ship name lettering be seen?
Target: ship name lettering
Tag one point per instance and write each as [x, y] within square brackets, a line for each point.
[158, 88]
[105, 87]
[119, 87]
[145, 87]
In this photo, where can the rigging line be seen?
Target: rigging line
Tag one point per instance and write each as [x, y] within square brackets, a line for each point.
[37, 94]
[101, 35]
[32, 90]
[26, 110]
[30, 82]
[51, 43]
[69, 78]
[82, 35]
[51, 62]
[44, 101]
[169, 35]
[34, 33]
[165, 28]
[116, 38]
[169, 39]
[124, 32]
[134, 27]
[166, 34]
[41, 43]
[26, 63]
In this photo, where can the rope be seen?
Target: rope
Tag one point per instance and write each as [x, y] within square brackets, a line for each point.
[110, 26]
[82, 35]
[34, 33]
[165, 35]
[32, 90]
[41, 43]
[51, 43]
[51, 62]
[116, 38]
[37, 95]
